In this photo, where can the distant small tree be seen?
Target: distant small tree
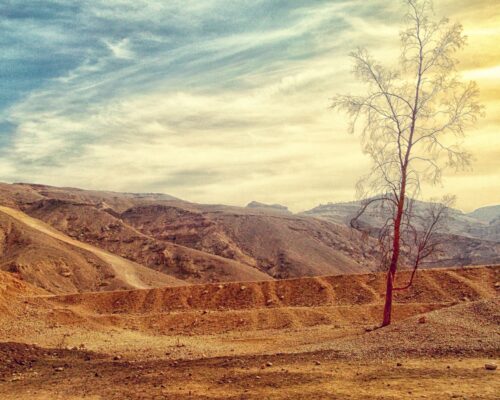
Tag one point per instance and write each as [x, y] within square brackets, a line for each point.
[410, 121]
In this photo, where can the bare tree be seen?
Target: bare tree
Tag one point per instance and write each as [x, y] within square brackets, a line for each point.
[410, 121]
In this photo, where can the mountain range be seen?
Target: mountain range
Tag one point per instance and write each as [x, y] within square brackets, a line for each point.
[71, 240]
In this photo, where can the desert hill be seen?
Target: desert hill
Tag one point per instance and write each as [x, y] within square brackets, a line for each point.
[268, 207]
[482, 224]
[104, 228]
[53, 261]
[468, 238]
[195, 242]
[181, 242]
[486, 214]
[278, 245]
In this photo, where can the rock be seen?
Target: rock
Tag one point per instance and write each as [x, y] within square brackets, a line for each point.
[490, 366]
[422, 320]
[59, 369]
[399, 364]
[257, 377]
[316, 362]
[116, 358]
[269, 364]
[243, 287]
[269, 301]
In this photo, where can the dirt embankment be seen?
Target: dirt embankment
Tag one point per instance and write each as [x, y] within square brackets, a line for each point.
[431, 286]
[315, 339]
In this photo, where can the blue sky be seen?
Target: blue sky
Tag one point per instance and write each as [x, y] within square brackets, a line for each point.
[212, 101]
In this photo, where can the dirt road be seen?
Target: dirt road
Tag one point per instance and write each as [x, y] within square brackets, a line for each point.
[124, 269]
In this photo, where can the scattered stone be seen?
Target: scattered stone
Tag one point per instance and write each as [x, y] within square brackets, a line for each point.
[399, 364]
[269, 301]
[490, 366]
[257, 376]
[242, 287]
[422, 320]
[59, 369]
[281, 297]
[316, 362]
[116, 358]
[221, 286]
[269, 364]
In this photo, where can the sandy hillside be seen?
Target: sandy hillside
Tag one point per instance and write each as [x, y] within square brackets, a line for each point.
[193, 242]
[53, 261]
[299, 338]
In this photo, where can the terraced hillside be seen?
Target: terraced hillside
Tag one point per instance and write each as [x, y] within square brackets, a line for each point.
[290, 339]
[214, 308]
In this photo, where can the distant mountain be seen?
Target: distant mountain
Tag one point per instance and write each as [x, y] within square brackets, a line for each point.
[483, 223]
[486, 214]
[268, 207]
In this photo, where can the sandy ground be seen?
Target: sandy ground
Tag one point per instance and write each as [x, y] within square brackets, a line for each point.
[317, 375]
[90, 346]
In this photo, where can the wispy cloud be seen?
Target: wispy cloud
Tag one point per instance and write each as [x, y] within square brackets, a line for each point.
[120, 49]
[213, 101]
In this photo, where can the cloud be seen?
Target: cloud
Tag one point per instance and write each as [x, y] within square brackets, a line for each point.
[120, 49]
[213, 101]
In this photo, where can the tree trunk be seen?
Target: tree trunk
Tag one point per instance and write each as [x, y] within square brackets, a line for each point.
[388, 294]
[391, 274]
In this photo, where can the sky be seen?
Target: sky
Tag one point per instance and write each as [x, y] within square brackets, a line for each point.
[215, 101]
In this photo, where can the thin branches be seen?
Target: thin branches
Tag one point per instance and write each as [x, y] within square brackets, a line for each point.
[410, 121]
